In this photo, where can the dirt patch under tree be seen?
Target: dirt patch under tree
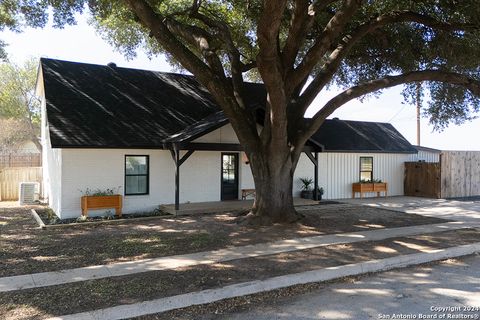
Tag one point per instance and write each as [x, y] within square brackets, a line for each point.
[24, 248]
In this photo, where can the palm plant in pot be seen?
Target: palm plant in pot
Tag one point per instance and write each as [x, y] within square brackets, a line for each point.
[320, 192]
[306, 185]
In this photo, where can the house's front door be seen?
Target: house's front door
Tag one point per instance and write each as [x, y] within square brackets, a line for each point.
[229, 188]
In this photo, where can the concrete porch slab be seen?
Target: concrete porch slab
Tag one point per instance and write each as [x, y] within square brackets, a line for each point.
[221, 206]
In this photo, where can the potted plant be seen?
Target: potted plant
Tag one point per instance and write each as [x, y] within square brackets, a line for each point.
[101, 199]
[320, 192]
[306, 185]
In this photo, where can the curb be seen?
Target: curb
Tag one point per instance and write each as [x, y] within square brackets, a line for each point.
[258, 286]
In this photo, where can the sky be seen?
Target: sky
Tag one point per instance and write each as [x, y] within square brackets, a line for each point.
[81, 43]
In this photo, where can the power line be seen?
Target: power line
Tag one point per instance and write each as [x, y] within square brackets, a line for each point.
[396, 114]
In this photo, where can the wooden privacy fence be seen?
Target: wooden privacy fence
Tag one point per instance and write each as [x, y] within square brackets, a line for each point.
[460, 173]
[20, 160]
[457, 175]
[422, 179]
[10, 179]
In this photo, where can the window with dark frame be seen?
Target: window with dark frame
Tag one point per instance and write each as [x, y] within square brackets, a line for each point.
[366, 169]
[136, 175]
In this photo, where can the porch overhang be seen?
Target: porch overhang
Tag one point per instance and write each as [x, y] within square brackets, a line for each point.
[191, 147]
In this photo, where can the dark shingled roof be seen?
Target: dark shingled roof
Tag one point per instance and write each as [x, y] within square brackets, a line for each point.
[96, 106]
[100, 106]
[360, 136]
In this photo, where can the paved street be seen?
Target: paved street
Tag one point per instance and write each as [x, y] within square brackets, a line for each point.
[407, 292]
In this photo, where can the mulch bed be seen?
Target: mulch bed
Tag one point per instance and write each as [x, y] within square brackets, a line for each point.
[49, 218]
[96, 294]
[24, 248]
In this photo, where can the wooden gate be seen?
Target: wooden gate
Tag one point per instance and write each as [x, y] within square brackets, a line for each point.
[422, 179]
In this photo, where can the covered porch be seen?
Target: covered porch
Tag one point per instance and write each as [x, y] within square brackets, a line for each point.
[221, 206]
[229, 173]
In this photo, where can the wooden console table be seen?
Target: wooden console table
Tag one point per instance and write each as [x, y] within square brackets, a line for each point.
[369, 187]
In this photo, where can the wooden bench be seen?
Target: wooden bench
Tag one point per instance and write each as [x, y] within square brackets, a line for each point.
[247, 192]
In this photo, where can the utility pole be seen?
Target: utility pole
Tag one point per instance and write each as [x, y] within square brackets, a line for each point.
[419, 103]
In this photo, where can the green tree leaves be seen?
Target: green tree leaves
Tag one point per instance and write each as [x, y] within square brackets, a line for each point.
[17, 98]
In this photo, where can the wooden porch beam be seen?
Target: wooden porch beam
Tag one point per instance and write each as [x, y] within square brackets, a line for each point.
[314, 159]
[198, 146]
[185, 157]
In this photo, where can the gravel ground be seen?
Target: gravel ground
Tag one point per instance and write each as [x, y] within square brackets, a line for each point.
[96, 294]
[26, 249]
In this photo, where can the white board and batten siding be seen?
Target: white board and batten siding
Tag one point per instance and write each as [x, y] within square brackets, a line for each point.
[337, 172]
[427, 156]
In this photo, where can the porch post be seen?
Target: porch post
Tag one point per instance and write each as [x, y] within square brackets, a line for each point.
[315, 177]
[177, 179]
[314, 160]
[175, 152]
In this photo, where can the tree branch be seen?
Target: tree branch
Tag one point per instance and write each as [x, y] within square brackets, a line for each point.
[155, 23]
[302, 21]
[199, 38]
[270, 67]
[371, 86]
[269, 27]
[215, 83]
[327, 71]
[237, 67]
[323, 43]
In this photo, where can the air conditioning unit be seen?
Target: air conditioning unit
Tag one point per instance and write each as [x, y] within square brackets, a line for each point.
[28, 192]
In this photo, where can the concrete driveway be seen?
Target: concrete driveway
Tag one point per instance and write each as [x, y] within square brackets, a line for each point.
[465, 211]
[438, 291]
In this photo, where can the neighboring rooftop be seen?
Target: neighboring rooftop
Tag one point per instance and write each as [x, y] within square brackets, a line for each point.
[422, 148]
[96, 106]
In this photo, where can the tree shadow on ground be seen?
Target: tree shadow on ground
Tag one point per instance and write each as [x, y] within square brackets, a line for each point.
[24, 248]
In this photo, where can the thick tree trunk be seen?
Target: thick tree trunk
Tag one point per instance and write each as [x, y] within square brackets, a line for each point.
[273, 177]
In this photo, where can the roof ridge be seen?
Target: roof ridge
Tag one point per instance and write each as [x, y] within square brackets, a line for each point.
[130, 68]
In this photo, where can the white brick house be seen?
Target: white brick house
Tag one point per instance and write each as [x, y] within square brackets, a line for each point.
[109, 127]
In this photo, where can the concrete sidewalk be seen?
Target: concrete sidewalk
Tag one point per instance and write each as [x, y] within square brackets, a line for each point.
[210, 257]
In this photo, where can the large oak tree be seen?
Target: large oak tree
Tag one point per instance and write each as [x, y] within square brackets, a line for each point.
[297, 48]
